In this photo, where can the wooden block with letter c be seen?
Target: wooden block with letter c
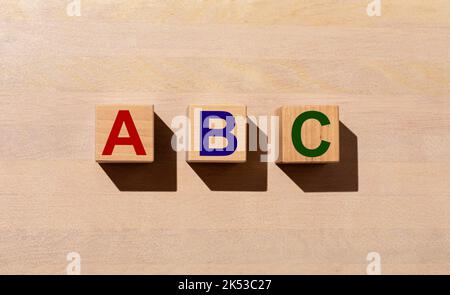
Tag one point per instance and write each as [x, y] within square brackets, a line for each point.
[308, 134]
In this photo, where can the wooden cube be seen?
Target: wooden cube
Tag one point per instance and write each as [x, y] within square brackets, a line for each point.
[308, 134]
[124, 133]
[217, 134]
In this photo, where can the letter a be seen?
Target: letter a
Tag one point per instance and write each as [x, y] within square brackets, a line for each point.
[124, 117]
[374, 8]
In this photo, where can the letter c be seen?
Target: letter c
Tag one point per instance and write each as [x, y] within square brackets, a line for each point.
[297, 134]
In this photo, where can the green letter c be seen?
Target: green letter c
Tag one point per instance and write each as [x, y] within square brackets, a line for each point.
[297, 134]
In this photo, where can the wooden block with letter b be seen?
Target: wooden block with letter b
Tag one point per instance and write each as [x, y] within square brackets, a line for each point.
[217, 134]
[124, 133]
[308, 134]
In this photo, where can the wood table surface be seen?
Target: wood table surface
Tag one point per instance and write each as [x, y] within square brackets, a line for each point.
[390, 194]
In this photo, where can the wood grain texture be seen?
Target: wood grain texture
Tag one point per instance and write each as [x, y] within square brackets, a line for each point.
[390, 76]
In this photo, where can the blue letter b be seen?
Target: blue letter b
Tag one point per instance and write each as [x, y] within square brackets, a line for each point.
[206, 133]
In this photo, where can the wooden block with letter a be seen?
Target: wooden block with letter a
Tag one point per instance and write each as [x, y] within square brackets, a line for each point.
[124, 133]
[308, 134]
[217, 134]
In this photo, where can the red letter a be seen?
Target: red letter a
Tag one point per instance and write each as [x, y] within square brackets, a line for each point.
[133, 139]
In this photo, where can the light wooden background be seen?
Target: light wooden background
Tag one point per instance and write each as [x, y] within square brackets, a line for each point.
[390, 75]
